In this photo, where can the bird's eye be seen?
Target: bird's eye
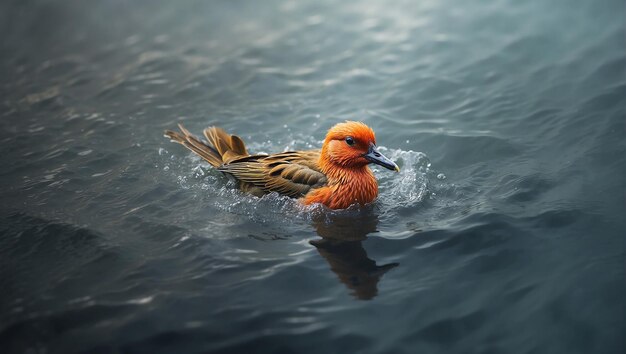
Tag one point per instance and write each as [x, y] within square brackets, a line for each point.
[350, 140]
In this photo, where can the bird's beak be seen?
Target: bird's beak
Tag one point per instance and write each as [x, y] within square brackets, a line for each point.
[376, 157]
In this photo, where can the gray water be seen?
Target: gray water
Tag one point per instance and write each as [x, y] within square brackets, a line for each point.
[503, 233]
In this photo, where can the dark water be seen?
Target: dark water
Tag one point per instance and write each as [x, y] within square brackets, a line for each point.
[504, 232]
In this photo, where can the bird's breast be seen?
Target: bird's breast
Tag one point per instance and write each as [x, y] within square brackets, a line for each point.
[340, 193]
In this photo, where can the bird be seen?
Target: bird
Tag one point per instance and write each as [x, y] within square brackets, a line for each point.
[337, 175]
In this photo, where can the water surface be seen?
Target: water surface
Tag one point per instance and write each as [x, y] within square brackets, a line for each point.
[503, 233]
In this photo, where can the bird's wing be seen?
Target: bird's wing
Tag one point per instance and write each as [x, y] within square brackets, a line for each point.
[291, 173]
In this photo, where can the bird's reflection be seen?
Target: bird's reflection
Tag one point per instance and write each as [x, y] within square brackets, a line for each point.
[341, 246]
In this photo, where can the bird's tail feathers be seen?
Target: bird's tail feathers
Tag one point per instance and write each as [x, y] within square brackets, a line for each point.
[221, 148]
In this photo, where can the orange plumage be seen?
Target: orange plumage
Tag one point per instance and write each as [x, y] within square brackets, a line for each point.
[336, 176]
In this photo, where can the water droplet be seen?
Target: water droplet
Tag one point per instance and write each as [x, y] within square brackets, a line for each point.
[441, 176]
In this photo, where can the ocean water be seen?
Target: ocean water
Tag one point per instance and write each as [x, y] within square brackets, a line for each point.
[503, 233]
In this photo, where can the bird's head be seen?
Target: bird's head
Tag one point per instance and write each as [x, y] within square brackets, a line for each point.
[353, 144]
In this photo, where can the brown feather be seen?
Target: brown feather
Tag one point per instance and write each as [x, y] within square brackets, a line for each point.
[219, 139]
[221, 148]
[274, 173]
[238, 146]
[195, 145]
[229, 156]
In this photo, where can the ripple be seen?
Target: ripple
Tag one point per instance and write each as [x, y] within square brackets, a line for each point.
[506, 120]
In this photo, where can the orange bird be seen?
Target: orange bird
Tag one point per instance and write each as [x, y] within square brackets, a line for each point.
[336, 176]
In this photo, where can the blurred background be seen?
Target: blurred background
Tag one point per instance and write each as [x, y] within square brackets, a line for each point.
[503, 233]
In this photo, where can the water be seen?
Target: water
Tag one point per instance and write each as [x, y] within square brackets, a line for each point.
[503, 233]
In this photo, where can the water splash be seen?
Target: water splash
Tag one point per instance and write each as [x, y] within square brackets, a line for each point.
[410, 186]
